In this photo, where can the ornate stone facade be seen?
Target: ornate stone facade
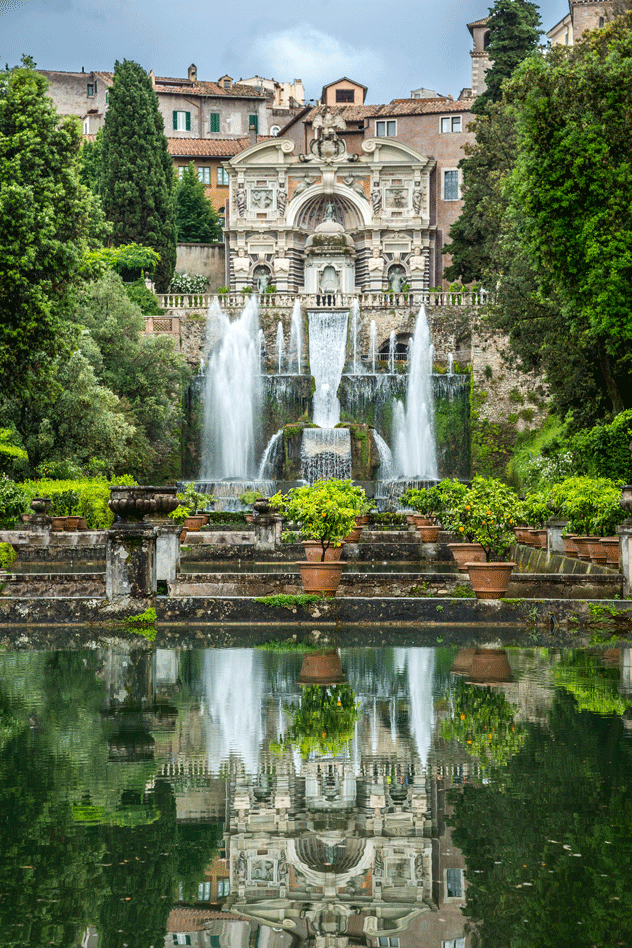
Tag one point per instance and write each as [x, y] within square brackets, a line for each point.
[328, 222]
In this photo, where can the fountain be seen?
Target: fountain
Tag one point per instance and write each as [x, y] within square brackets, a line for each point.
[296, 339]
[415, 452]
[280, 344]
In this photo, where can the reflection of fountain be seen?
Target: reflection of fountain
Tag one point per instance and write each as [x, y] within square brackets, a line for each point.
[233, 695]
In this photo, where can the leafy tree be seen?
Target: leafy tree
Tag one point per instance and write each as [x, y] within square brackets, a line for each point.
[514, 33]
[136, 177]
[196, 218]
[45, 219]
[573, 184]
[90, 161]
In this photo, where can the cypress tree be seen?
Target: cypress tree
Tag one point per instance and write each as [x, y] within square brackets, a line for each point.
[514, 33]
[196, 218]
[136, 178]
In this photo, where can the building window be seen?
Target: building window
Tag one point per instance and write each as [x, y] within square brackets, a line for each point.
[204, 175]
[181, 170]
[223, 888]
[451, 186]
[602, 22]
[107, 96]
[454, 943]
[451, 124]
[181, 939]
[86, 128]
[253, 122]
[345, 95]
[204, 892]
[222, 178]
[227, 83]
[386, 129]
[388, 942]
[454, 883]
[90, 89]
[566, 38]
[182, 121]
[214, 122]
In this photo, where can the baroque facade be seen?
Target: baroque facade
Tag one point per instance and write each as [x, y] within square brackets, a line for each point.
[327, 222]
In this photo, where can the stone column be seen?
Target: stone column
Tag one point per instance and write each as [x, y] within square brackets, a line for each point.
[625, 554]
[554, 529]
[130, 546]
[267, 526]
[130, 561]
[40, 522]
[167, 549]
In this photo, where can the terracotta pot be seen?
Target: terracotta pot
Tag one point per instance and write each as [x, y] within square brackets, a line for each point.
[82, 525]
[58, 524]
[597, 550]
[540, 538]
[195, 522]
[428, 534]
[250, 518]
[183, 536]
[570, 547]
[522, 536]
[314, 551]
[582, 548]
[421, 520]
[363, 521]
[71, 524]
[466, 553]
[322, 668]
[530, 537]
[354, 536]
[410, 520]
[489, 580]
[611, 546]
[321, 577]
[490, 666]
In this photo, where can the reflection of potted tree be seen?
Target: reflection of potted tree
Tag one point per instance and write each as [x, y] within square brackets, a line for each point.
[323, 722]
[482, 720]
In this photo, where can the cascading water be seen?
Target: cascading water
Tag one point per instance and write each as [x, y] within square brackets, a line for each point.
[356, 320]
[268, 461]
[450, 364]
[327, 349]
[231, 395]
[373, 345]
[392, 343]
[296, 340]
[385, 471]
[280, 342]
[415, 453]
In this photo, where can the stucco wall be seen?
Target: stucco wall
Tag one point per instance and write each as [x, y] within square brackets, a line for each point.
[204, 260]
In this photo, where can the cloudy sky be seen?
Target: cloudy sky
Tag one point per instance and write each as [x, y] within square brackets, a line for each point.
[391, 46]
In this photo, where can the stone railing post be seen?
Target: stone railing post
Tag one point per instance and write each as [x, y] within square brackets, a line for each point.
[40, 522]
[554, 530]
[625, 539]
[267, 527]
[167, 534]
[130, 546]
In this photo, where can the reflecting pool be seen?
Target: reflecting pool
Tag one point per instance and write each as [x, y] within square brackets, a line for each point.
[392, 797]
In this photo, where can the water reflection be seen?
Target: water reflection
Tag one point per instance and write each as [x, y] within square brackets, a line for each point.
[223, 797]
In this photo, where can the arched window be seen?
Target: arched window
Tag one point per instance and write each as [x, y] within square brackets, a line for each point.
[486, 39]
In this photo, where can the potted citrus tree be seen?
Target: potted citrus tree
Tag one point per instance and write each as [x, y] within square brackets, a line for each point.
[326, 514]
[488, 516]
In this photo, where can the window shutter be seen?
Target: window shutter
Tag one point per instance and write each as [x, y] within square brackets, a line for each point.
[253, 120]
[188, 115]
[175, 120]
[214, 122]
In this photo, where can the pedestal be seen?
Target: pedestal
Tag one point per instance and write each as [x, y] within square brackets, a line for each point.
[167, 549]
[267, 532]
[554, 543]
[130, 561]
[40, 524]
[625, 554]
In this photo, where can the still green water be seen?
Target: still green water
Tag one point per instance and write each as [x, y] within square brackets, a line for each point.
[154, 797]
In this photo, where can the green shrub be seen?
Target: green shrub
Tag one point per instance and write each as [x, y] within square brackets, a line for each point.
[188, 283]
[86, 497]
[8, 555]
[604, 451]
[14, 501]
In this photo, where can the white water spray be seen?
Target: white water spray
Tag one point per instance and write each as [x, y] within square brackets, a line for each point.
[415, 453]
[296, 340]
[280, 342]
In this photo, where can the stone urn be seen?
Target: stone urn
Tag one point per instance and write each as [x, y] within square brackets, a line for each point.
[132, 504]
[261, 507]
[41, 505]
[322, 668]
[166, 502]
[626, 499]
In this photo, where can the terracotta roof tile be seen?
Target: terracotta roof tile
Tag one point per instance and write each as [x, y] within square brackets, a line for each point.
[356, 113]
[210, 147]
[166, 85]
[183, 919]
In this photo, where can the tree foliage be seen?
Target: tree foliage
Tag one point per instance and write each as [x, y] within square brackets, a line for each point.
[136, 174]
[514, 33]
[196, 218]
[45, 215]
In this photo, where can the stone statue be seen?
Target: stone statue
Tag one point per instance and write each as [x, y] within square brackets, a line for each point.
[328, 146]
[303, 185]
[282, 869]
[396, 279]
[419, 868]
[378, 865]
[330, 212]
[263, 279]
[241, 867]
[376, 200]
[241, 263]
[281, 201]
[240, 200]
[376, 262]
[281, 263]
[417, 262]
[355, 185]
[418, 197]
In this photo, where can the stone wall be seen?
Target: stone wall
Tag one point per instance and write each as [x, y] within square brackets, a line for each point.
[203, 260]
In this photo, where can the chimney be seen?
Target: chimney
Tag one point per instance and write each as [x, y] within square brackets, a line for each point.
[252, 133]
[192, 73]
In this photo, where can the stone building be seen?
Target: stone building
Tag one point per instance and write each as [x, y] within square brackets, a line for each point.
[582, 15]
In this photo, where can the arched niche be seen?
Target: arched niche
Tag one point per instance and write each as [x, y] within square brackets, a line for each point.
[310, 211]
